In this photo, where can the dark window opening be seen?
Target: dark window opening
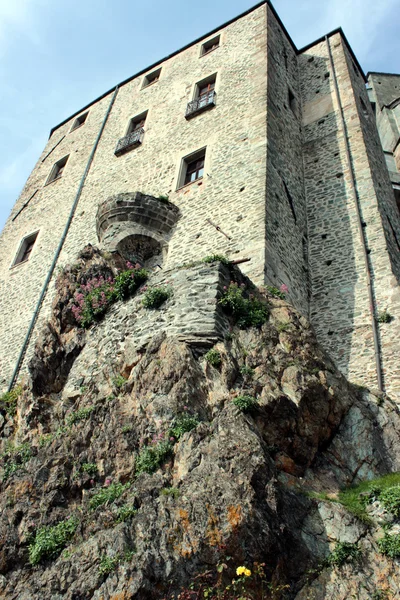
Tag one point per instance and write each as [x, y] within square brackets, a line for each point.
[137, 123]
[134, 136]
[79, 121]
[397, 197]
[57, 170]
[292, 102]
[364, 109]
[204, 97]
[394, 234]
[152, 77]
[210, 45]
[25, 249]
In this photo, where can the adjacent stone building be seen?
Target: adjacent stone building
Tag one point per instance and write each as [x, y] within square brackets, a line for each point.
[263, 151]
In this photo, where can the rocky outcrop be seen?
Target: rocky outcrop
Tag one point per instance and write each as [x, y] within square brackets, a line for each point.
[140, 470]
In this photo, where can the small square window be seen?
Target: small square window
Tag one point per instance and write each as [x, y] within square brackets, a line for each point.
[210, 45]
[151, 78]
[192, 168]
[137, 123]
[57, 170]
[204, 97]
[79, 121]
[25, 249]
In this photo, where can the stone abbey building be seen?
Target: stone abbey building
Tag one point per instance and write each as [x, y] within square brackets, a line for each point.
[264, 151]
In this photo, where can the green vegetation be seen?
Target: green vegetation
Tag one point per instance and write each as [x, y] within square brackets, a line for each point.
[171, 491]
[164, 198]
[344, 552]
[216, 258]
[390, 498]
[355, 499]
[274, 291]
[108, 564]
[283, 326]
[127, 428]
[9, 400]
[46, 439]
[15, 457]
[155, 297]
[127, 282]
[390, 545]
[125, 512]
[384, 317]
[245, 403]
[213, 357]
[245, 312]
[380, 594]
[182, 424]
[119, 381]
[151, 457]
[89, 468]
[79, 415]
[49, 541]
[108, 494]
[246, 371]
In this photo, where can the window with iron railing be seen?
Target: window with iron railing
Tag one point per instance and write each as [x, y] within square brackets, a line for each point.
[205, 98]
[134, 136]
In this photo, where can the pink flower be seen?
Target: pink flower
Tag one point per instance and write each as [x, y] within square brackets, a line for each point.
[284, 288]
[92, 482]
[171, 439]
[107, 481]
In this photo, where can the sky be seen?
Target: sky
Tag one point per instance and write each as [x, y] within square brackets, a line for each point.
[56, 57]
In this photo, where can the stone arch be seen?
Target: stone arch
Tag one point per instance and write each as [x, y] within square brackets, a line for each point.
[137, 226]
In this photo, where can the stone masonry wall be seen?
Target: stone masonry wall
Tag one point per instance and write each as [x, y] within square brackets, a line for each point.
[285, 216]
[231, 193]
[340, 309]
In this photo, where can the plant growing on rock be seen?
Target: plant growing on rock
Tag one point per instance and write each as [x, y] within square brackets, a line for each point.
[156, 296]
[277, 292]
[245, 403]
[94, 298]
[384, 317]
[15, 458]
[79, 415]
[213, 357]
[249, 312]
[119, 381]
[9, 400]
[89, 468]
[50, 540]
[125, 513]
[246, 371]
[390, 545]
[344, 552]
[216, 258]
[108, 494]
[151, 457]
[108, 564]
[182, 424]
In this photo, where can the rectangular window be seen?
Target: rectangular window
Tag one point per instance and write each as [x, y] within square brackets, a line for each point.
[25, 249]
[292, 102]
[57, 170]
[192, 168]
[210, 45]
[204, 97]
[151, 78]
[134, 135]
[79, 121]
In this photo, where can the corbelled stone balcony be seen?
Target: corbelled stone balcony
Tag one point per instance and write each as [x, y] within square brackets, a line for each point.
[136, 225]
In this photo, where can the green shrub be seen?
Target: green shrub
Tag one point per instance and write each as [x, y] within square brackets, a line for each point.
[46, 439]
[182, 424]
[151, 457]
[50, 540]
[245, 403]
[9, 400]
[127, 282]
[15, 457]
[127, 428]
[89, 468]
[108, 564]
[164, 198]
[390, 545]
[155, 297]
[356, 498]
[390, 499]
[171, 491]
[344, 552]
[213, 357]
[79, 415]
[246, 371]
[384, 317]
[216, 258]
[245, 312]
[108, 494]
[118, 381]
[125, 512]
[274, 291]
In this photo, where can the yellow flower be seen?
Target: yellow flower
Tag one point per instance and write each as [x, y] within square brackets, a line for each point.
[243, 571]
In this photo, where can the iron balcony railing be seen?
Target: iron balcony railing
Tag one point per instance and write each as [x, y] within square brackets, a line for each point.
[201, 103]
[131, 140]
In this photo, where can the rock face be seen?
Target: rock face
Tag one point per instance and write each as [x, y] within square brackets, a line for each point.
[156, 479]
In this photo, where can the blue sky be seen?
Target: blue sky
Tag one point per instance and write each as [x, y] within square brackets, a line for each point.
[55, 57]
